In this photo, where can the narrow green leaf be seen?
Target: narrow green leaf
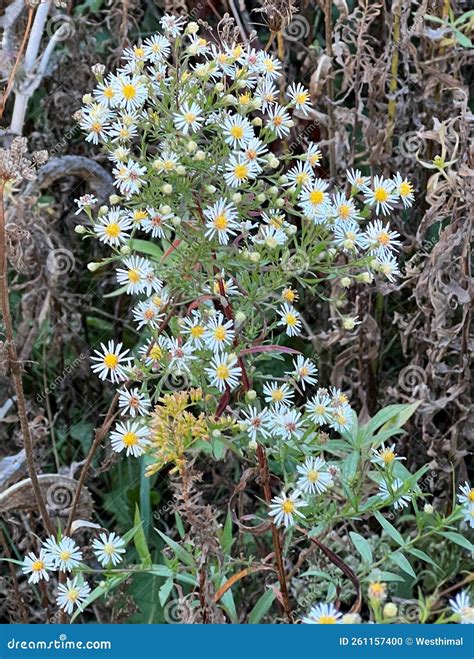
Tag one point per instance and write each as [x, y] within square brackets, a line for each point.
[362, 547]
[139, 540]
[146, 247]
[421, 555]
[261, 607]
[390, 529]
[458, 539]
[403, 563]
[165, 591]
[227, 541]
[183, 555]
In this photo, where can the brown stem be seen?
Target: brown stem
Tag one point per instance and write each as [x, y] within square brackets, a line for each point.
[265, 478]
[16, 370]
[11, 77]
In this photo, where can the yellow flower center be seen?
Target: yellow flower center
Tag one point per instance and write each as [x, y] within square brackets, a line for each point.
[168, 165]
[289, 295]
[302, 178]
[319, 409]
[65, 555]
[291, 319]
[288, 506]
[109, 549]
[470, 495]
[277, 395]
[133, 276]
[312, 475]
[96, 127]
[111, 360]
[405, 189]
[268, 65]
[240, 171]
[37, 566]
[221, 223]
[380, 194]
[113, 230]
[129, 92]
[278, 120]
[301, 98]
[344, 211]
[316, 197]
[190, 117]
[156, 352]
[388, 456]
[383, 238]
[197, 331]
[327, 620]
[139, 52]
[130, 438]
[222, 372]
[108, 92]
[237, 132]
[220, 333]
[244, 99]
[149, 314]
[73, 594]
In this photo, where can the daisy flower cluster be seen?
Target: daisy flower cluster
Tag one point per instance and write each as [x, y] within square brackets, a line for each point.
[64, 556]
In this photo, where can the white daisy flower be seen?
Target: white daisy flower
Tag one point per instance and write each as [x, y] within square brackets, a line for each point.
[221, 220]
[256, 422]
[167, 161]
[129, 178]
[194, 328]
[404, 190]
[133, 275]
[266, 94]
[313, 155]
[188, 119]
[64, 553]
[228, 285]
[380, 240]
[385, 456]
[338, 397]
[285, 423]
[131, 436]
[129, 92]
[198, 46]
[319, 408]
[239, 170]
[314, 477]
[146, 313]
[179, 355]
[467, 494]
[104, 92]
[111, 363]
[284, 509]
[86, 201]
[269, 66]
[461, 606]
[96, 124]
[237, 130]
[153, 352]
[219, 333]
[388, 265]
[121, 132]
[381, 195]
[157, 47]
[133, 402]
[223, 372]
[108, 549]
[37, 566]
[357, 180]
[254, 151]
[299, 175]
[156, 222]
[349, 237]
[341, 418]
[290, 319]
[279, 121]
[71, 594]
[278, 394]
[270, 236]
[299, 97]
[135, 54]
[323, 614]
[173, 25]
[314, 199]
[343, 209]
[113, 229]
[390, 492]
[304, 371]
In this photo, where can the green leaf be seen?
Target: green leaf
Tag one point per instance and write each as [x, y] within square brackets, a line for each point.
[362, 547]
[390, 576]
[139, 540]
[349, 466]
[226, 540]
[461, 38]
[146, 247]
[403, 563]
[112, 583]
[261, 607]
[160, 570]
[421, 555]
[165, 591]
[391, 416]
[145, 499]
[390, 529]
[458, 539]
[183, 555]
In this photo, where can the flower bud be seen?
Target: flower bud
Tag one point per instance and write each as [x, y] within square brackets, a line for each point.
[251, 395]
[200, 155]
[125, 250]
[428, 508]
[87, 99]
[257, 122]
[211, 189]
[114, 199]
[166, 188]
[390, 610]
[191, 146]
[219, 87]
[93, 266]
[79, 228]
[236, 197]
[166, 210]
[180, 170]
[98, 70]
[103, 210]
[255, 257]
[240, 317]
[261, 197]
[192, 28]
